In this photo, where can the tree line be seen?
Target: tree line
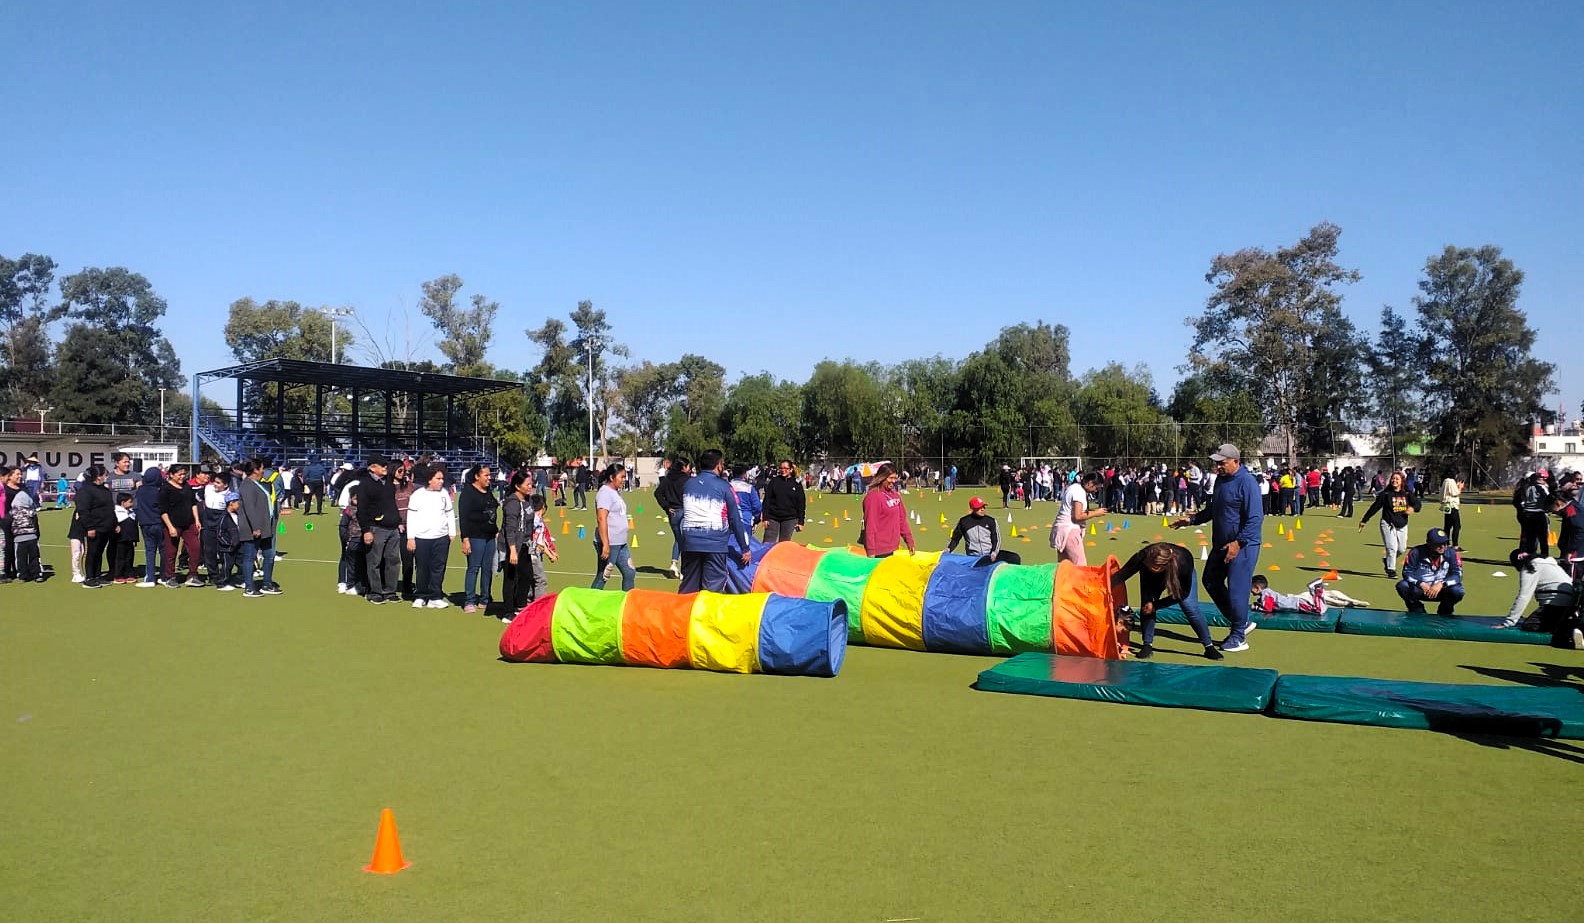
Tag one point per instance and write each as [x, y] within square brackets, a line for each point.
[1270, 351]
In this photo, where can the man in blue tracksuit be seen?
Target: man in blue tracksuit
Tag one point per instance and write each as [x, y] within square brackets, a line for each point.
[709, 519]
[1432, 571]
[1238, 517]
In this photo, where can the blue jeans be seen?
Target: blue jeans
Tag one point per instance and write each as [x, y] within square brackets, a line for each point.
[153, 547]
[1414, 599]
[1190, 608]
[622, 558]
[480, 571]
[247, 562]
[1229, 586]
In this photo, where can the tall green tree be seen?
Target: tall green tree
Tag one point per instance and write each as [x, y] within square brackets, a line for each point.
[1338, 356]
[465, 333]
[555, 394]
[113, 359]
[1210, 410]
[761, 419]
[694, 423]
[1482, 385]
[283, 330]
[845, 412]
[1395, 380]
[26, 284]
[645, 395]
[1261, 324]
[1122, 416]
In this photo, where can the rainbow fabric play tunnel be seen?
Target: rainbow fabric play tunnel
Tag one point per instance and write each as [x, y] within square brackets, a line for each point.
[953, 603]
[749, 633]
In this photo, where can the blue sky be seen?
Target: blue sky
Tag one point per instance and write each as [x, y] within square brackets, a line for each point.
[773, 184]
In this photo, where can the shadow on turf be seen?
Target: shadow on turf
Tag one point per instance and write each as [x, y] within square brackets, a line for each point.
[1562, 750]
[1551, 675]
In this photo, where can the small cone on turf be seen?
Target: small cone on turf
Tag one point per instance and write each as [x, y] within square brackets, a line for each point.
[1127, 523]
[847, 515]
[562, 511]
[633, 541]
[387, 847]
[1298, 555]
[580, 532]
[1552, 536]
[1014, 532]
[1332, 575]
[1091, 528]
[1291, 537]
[943, 518]
[1280, 530]
[1274, 567]
[827, 539]
[1204, 552]
[566, 528]
[1298, 523]
[1164, 523]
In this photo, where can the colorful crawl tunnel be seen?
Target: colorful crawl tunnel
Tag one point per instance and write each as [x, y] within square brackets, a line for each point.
[951, 603]
[750, 633]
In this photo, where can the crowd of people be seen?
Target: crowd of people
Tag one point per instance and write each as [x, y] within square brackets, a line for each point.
[218, 527]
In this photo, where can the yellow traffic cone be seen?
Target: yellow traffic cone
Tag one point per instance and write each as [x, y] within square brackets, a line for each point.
[1014, 531]
[1280, 530]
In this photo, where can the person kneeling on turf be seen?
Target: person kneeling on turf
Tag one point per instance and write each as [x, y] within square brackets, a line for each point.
[1553, 585]
[1268, 600]
[1432, 571]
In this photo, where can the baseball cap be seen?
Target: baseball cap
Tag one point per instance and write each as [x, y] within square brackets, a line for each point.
[232, 496]
[1436, 537]
[1543, 473]
[346, 466]
[1227, 450]
[976, 504]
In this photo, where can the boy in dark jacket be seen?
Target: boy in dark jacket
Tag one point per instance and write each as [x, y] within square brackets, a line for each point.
[126, 541]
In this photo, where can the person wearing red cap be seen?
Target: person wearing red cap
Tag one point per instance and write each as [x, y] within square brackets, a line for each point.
[980, 536]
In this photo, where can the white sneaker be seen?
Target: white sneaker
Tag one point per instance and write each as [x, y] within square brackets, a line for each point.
[1234, 648]
[419, 604]
[439, 604]
[145, 584]
[340, 588]
[1251, 626]
[1578, 639]
[506, 619]
[77, 578]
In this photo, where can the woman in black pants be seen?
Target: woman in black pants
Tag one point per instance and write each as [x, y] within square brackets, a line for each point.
[96, 512]
[516, 538]
[1532, 499]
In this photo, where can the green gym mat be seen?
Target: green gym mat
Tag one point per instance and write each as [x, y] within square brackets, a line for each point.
[1279, 621]
[1519, 711]
[1426, 625]
[1135, 682]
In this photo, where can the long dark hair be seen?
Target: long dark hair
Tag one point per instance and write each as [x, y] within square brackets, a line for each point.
[1164, 555]
[610, 472]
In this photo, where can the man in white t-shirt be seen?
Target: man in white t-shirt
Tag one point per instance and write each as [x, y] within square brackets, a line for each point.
[1067, 535]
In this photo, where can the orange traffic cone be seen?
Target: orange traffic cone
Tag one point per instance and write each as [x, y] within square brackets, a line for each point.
[1332, 575]
[387, 847]
[846, 516]
[1291, 537]
[562, 511]
[566, 528]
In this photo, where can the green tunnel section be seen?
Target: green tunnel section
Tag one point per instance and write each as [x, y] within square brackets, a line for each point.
[843, 575]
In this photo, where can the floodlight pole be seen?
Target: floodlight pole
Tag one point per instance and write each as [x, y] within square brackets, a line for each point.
[590, 342]
[162, 415]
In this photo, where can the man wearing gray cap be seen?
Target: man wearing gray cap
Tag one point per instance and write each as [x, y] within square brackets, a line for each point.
[1238, 517]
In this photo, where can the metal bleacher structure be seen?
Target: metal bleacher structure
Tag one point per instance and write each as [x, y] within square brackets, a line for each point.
[355, 412]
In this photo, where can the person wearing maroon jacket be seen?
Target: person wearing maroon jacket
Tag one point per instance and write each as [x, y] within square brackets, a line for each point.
[885, 525]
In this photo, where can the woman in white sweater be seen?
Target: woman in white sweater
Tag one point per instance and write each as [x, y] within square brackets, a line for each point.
[431, 525]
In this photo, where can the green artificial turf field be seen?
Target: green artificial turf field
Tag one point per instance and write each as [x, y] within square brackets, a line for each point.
[191, 755]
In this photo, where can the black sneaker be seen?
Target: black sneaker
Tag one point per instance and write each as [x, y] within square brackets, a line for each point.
[1145, 652]
[376, 599]
[1214, 653]
[251, 593]
[174, 583]
[92, 584]
[1391, 574]
[271, 589]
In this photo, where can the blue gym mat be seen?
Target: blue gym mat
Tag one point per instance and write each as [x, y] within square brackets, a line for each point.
[1278, 621]
[1519, 711]
[1135, 682]
[1427, 625]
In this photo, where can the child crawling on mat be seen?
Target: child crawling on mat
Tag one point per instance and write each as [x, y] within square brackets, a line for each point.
[1315, 600]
